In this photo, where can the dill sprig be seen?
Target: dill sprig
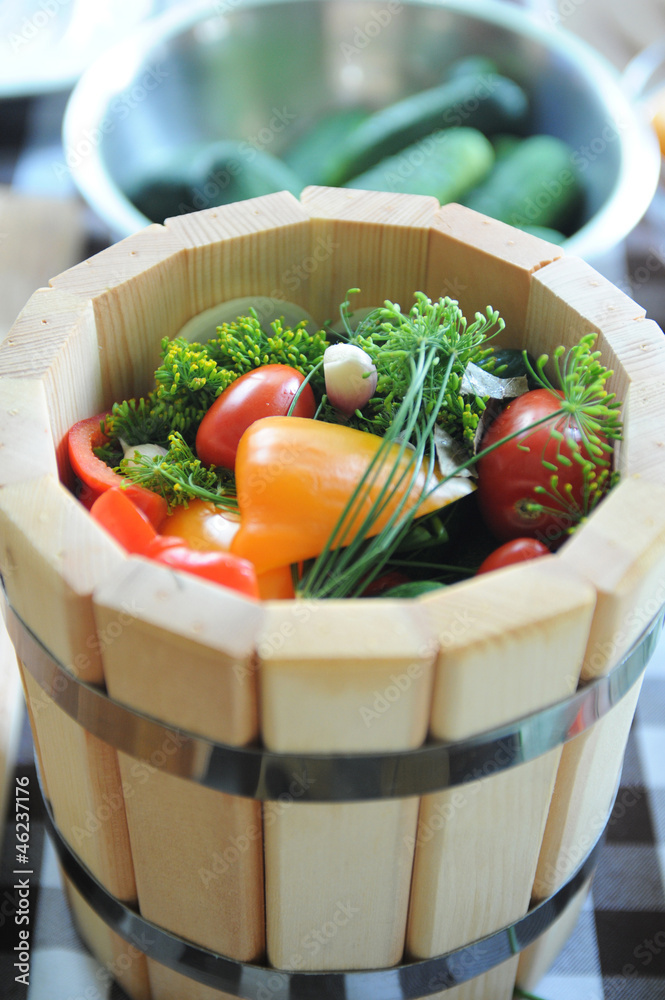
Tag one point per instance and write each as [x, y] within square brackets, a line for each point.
[243, 344]
[591, 424]
[390, 338]
[415, 355]
[179, 476]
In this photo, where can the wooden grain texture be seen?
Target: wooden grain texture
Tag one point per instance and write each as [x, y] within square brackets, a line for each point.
[123, 960]
[262, 246]
[38, 238]
[53, 336]
[621, 551]
[510, 643]
[338, 875]
[139, 294]
[185, 654]
[480, 261]
[568, 299]
[375, 241]
[26, 442]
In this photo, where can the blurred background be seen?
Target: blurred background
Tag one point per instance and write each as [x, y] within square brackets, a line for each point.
[190, 76]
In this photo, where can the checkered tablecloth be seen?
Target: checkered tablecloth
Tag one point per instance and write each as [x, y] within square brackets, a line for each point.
[617, 951]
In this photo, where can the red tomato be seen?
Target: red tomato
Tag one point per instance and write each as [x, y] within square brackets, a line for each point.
[516, 551]
[264, 392]
[507, 476]
[97, 476]
[115, 511]
[219, 567]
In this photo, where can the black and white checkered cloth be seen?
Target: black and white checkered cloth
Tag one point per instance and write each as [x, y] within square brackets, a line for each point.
[616, 952]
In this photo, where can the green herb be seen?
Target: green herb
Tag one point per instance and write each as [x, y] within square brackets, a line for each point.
[179, 476]
[392, 338]
[244, 344]
[588, 407]
[415, 355]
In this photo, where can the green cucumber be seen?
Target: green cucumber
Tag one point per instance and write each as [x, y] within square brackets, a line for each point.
[489, 103]
[308, 155]
[471, 66]
[535, 184]
[235, 171]
[444, 164]
[206, 175]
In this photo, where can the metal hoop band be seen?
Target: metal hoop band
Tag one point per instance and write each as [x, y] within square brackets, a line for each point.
[253, 772]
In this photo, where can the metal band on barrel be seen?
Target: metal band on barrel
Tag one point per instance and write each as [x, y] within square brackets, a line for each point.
[254, 772]
[256, 982]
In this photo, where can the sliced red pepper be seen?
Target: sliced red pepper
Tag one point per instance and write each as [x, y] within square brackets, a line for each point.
[219, 567]
[96, 475]
[116, 512]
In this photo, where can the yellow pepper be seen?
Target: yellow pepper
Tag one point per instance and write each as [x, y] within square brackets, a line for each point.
[294, 477]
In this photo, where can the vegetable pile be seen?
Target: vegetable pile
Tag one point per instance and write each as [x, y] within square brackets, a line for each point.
[466, 139]
[387, 459]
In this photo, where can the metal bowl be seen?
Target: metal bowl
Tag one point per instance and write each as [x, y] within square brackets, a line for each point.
[260, 71]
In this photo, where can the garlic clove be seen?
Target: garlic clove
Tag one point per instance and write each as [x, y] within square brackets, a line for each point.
[350, 377]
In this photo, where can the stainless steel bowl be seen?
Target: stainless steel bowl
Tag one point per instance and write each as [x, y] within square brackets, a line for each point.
[259, 71]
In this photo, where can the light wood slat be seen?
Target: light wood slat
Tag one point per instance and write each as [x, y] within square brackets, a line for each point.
[622, 552]
[262, 246]
[26, 442]
[338, 875]
[139, 295]
[52, 555]
[535, 960]
[53, 336]
[122, 960]
[510, 643]
[480, 261]
[568, 299]
[642, 450]
[358, 227]
[186, 657]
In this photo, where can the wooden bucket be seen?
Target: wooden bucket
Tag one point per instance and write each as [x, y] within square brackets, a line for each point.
[323, 799]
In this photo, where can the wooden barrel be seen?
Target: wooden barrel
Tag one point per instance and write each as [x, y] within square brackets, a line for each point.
[192, 744]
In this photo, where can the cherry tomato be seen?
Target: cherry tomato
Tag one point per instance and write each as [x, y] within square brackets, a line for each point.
[508, 475]
[516, 551]
[264, 392]
[203, 525]
[114, 510]
[218, 567]
[97, 477]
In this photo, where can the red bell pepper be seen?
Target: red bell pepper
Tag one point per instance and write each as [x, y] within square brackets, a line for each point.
[116, 512]
[96, 475]
[219, 567]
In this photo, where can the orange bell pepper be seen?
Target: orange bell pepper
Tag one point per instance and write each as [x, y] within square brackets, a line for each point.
[294, 477]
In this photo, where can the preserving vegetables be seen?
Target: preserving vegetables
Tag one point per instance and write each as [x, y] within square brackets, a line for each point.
[385, 459]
